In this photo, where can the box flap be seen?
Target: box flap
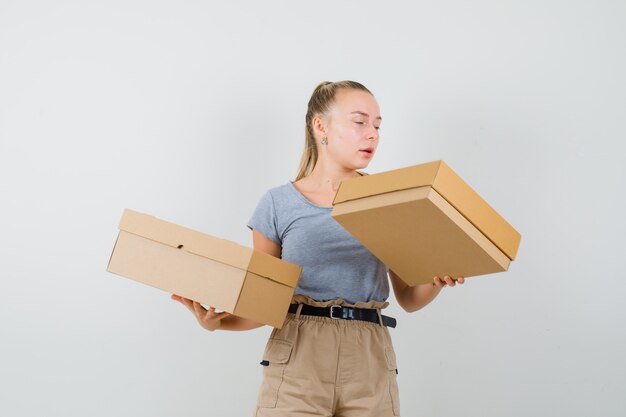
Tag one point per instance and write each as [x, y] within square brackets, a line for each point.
[211, 247]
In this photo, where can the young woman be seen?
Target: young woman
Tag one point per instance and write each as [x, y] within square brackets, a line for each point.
[334, 355]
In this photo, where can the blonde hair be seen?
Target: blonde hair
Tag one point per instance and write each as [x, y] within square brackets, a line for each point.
[320, 102]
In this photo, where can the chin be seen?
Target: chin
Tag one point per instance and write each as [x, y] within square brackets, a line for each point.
[357, 164]
[364, 164]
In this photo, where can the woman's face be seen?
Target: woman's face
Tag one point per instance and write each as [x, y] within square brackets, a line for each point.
[352, 128]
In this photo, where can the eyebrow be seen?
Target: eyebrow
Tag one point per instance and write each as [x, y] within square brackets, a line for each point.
[365, 114]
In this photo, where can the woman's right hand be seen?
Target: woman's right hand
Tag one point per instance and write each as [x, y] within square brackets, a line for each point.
[208, 319]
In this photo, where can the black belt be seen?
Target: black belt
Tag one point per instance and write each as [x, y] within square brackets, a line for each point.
[347, 313]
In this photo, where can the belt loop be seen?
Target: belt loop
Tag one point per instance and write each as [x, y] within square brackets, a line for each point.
[380, 317]
[298, 311]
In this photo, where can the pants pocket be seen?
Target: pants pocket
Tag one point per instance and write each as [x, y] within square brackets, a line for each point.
[275, 359]
[392, 368]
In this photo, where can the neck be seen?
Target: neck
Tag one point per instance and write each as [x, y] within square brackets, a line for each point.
[327, 178]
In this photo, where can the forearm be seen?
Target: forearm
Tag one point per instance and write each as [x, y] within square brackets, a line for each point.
[417, 297]
[238, 324]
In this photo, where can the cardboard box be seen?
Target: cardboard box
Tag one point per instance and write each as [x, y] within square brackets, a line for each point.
[424, 221]
[213, 271]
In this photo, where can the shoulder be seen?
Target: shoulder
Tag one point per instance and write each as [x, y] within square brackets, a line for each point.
[280, 188]
[278, 192]
[276, 195]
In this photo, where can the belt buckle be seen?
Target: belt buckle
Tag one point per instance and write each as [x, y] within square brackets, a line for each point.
[331, 311]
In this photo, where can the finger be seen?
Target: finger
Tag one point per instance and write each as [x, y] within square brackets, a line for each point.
[186, 302]
[449, 280]
[210, 313]
[198, 309]
[438, 282]
[460, 280]
[177, 297]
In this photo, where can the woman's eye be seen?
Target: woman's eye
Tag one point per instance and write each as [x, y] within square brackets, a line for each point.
[359, 123]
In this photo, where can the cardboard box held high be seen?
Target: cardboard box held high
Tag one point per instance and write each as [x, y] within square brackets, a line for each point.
[216, 272]
[424, 221]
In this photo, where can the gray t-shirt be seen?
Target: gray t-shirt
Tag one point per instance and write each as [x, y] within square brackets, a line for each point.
[334, 264]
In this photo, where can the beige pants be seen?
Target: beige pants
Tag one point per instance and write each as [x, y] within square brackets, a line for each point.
[320, 366]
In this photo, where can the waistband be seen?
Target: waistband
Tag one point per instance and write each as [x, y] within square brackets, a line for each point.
[304, 299]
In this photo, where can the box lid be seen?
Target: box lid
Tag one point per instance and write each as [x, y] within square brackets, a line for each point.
[211, 247]
[449, 185]
[419, 235]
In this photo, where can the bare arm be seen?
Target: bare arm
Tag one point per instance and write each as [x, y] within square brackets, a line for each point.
[414, 298]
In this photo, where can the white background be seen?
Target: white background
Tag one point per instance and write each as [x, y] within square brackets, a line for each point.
[190, 110]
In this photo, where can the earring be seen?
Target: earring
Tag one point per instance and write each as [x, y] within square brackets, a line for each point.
[324, 142]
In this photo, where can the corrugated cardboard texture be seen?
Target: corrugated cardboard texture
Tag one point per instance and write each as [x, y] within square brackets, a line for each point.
[419, 235]
[161, 266]
[449, 185]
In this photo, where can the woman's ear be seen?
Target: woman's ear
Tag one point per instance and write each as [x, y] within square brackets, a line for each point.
[319, 126]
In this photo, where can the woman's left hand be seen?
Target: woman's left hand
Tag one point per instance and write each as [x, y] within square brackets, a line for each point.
[447, 280]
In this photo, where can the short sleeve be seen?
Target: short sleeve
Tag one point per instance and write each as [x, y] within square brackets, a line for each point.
[264, 219]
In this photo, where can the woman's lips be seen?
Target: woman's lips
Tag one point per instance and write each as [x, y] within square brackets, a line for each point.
[366, 153]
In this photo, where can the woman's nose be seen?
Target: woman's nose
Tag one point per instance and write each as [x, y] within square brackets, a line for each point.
[373, 134]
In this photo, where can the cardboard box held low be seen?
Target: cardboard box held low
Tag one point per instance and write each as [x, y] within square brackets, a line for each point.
[424, 221]
[213, 271]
